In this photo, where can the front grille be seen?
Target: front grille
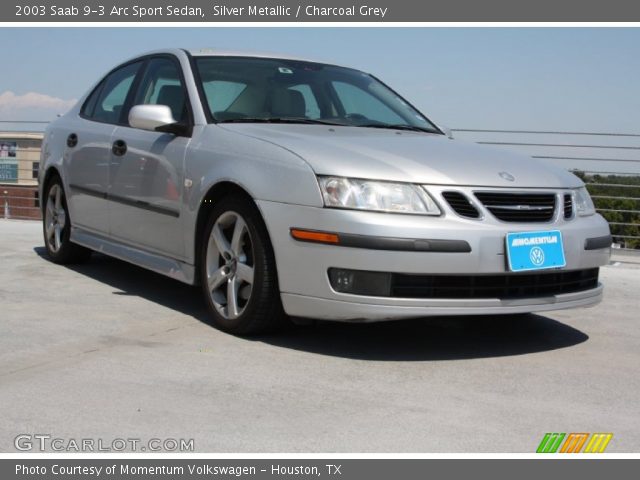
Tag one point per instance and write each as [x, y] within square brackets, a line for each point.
[504, 286]
[519, 207]
[461, 204]
[568, 206]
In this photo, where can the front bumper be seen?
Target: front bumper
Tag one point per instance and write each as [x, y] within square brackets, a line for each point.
[307, 292]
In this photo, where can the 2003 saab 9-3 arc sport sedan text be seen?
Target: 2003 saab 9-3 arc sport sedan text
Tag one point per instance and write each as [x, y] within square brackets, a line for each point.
[285, 186]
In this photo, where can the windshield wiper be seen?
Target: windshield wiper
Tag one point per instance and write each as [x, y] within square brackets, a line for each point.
[398, 126]
[280, 120]
[311, 121]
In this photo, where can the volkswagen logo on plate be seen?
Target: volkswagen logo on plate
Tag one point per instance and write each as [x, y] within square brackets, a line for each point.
[536, 255]
[507, 176]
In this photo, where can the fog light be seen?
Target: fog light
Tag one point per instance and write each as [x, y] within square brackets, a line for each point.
[357, 282]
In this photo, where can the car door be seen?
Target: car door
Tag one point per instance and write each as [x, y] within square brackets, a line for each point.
[88, 149]
[146, 173]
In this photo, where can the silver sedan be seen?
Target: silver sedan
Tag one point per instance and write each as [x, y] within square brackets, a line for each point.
[286, 187]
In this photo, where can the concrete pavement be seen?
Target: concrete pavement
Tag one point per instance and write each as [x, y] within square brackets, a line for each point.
[107, 350]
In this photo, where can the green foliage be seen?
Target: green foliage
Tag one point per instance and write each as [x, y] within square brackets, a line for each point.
[627, 210]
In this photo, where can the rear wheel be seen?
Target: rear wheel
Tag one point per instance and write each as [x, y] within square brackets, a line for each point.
[56, 226]
[238, 272]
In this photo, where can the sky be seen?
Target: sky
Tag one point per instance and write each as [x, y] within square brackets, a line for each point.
[525, 78]
[567, 79]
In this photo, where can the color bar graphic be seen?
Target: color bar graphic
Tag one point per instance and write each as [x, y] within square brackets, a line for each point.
[598, 442]
[574, 442]
[550, 443]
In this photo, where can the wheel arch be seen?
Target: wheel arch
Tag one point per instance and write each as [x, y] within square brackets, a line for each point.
[51, 172]
[216, 193]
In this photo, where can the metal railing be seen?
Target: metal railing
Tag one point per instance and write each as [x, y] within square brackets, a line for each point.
[609, 166]
[19, 180]
[21, 123]
[19, 212]
[13, 205]
[613, 178]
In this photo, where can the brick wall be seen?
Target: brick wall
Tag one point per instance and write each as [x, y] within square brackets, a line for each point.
[19, 202]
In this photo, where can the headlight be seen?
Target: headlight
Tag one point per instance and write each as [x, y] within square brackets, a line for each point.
[584, 204]
[341, 192]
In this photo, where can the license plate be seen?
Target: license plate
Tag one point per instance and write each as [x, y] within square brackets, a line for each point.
[535, 250]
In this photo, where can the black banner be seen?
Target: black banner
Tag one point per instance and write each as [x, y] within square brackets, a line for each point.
[342, 469]
[377, 11]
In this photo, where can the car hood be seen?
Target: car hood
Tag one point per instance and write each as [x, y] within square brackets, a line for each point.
[406, 156]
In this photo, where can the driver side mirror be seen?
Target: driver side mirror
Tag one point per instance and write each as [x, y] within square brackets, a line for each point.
[156, 118]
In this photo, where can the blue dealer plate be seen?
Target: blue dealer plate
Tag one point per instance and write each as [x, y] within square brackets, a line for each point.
[535, 250]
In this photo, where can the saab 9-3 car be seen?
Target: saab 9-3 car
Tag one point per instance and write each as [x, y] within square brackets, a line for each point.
[290, 187]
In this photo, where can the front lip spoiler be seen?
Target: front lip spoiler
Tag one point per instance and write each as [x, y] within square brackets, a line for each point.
[352, 240]
[351, 308]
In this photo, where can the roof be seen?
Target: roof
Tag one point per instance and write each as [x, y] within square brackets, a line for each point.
[204, 52]
[219, 52]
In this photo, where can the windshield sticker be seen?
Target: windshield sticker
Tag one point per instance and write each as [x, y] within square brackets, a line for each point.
[285, 70]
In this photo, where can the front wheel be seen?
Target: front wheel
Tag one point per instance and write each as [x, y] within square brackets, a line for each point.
[238, 271]
[56, 226]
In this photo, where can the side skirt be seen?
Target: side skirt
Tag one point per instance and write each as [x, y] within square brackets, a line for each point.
[152, 261]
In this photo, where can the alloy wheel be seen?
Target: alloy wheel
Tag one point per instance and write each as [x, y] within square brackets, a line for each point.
[230, 265]
[55, 218]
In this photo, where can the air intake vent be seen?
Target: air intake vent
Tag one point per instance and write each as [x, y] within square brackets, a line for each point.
[568, 206]
[519, 207]
[461, 204]
[503, 286]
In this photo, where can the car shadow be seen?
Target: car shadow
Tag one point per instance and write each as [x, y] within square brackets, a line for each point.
[433, 338]
[427, 339]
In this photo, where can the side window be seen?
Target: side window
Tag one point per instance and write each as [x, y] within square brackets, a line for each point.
[360, 102]
[162, 85]
[312, 110]
[114, 94]
[90, 104]
[222, 94]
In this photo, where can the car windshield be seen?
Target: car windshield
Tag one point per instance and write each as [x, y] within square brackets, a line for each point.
[242, 89]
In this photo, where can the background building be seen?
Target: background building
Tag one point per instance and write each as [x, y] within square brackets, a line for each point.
[19, 162]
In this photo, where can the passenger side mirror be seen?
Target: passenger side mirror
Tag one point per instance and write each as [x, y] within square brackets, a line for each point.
[157, 118]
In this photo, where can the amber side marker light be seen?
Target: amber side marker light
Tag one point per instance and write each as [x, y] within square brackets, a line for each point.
[315, 236]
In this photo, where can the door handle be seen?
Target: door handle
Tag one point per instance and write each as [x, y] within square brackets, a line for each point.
[72, 140]
[119, 148]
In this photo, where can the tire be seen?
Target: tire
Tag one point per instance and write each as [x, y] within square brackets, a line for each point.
[56, 227]
[238, 270]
